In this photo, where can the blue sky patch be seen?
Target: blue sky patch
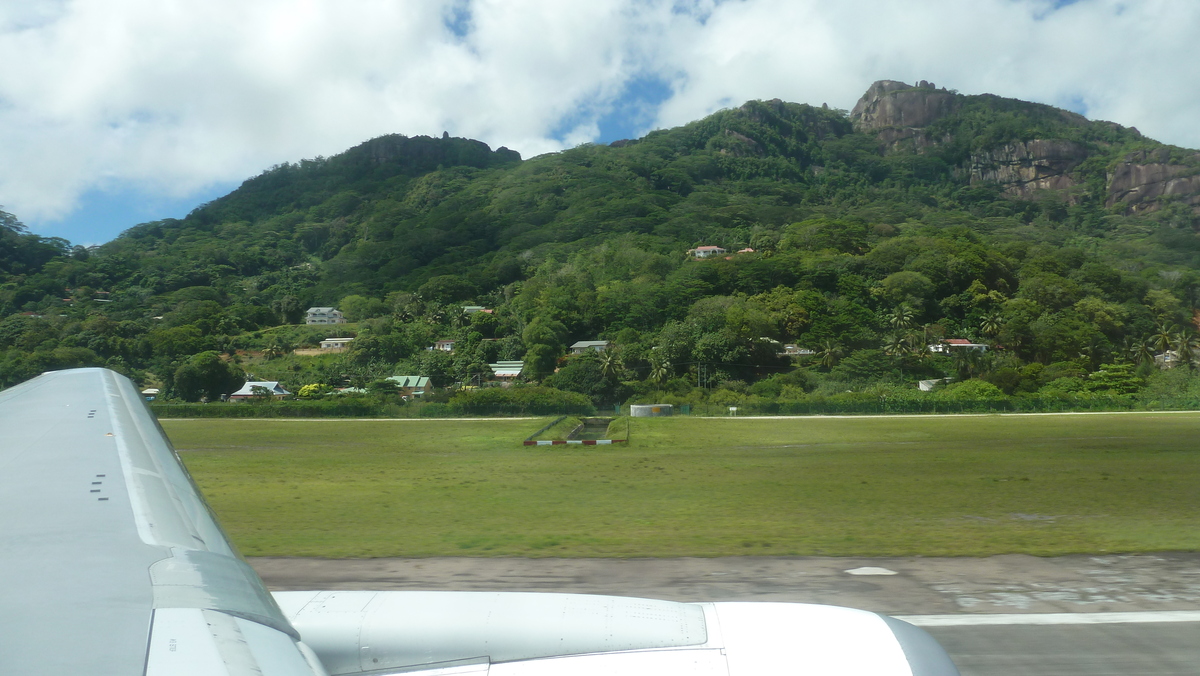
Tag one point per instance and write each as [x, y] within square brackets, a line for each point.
[634, 111]
[104, 214]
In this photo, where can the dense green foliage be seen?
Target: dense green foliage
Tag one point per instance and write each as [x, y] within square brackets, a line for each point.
[864, 253]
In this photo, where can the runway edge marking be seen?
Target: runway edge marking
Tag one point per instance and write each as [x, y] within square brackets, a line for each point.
[1136, 617]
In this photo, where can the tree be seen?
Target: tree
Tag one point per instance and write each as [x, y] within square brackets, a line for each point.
[540, 360]
[907, 288]
[991, 324]
[1164, 337]
[829, 354]
[660, 370]
[1186, 348]
[357, 308]
[207, 375]
[901, 319]
[610, 364]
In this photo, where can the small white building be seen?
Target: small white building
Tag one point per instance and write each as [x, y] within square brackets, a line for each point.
[272, 386]
[445, 345]
[796, 350]
[324, 315]
[706, 251]
[592, 345]
[336, 343]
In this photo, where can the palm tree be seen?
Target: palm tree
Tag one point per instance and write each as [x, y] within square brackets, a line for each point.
[610, 364]
[896, 345]
[1138, 351]
[272, 352]
[901, 318]
[991, 324]
[660, 369]
[1163, 339]
[1186, 347]
[830, 353]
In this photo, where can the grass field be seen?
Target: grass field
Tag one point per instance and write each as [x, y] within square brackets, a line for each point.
[922, 485]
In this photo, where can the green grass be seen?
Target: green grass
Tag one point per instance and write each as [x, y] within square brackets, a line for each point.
[943, 486]
[562, 429]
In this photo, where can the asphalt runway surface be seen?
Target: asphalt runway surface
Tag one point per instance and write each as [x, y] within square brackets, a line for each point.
[1012, 615]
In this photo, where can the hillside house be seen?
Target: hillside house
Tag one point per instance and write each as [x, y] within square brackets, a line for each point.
[445, 345]
[507, 370]
[336, 343]
[589, 345]
[472, 309]
[950, 345]
[706, 251]
[247, 391]
[323, 315]
[410, 386]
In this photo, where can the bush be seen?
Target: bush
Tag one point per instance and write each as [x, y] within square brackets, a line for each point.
[971, 390]
[531, 400]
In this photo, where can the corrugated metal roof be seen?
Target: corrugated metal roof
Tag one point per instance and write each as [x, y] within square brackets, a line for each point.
[410, 381]
[248, 389]
[507, 369]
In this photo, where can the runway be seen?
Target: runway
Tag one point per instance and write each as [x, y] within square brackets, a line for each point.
[1014, 615]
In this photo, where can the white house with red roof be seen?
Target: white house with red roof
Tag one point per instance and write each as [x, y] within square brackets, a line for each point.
[950, 344]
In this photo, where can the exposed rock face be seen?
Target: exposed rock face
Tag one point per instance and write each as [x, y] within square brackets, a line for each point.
[899, 115]
[1025, 167]
[895, 104]
[1145, 176]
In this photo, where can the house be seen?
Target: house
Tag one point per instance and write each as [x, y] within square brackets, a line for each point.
[410, 386]
[324, 315]
[445, 345]
[150, 393]
[336, 343]
[247, 391]
[796, 350]
[951, 344]
[507, 370]
[706, 251]
[472, 309]
[585, 345]
[746, 250]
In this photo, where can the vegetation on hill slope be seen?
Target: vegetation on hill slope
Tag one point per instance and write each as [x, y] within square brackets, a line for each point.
[868, 245]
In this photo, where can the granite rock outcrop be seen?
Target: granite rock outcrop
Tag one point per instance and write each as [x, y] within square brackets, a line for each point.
[889, 103]
[1025, 167]
[1143, 178]
[900, 116]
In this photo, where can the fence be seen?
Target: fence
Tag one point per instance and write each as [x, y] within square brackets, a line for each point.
[356, 409]
[893, 406]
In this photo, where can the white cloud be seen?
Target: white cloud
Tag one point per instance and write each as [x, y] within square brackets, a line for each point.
[169, 96]
[1134, 63]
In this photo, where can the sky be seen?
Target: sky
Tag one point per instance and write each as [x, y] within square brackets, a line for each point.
[117, 112]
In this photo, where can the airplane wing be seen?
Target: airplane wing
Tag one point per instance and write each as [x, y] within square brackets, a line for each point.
[111, 563]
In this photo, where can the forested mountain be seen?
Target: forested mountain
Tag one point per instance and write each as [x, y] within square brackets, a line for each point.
[1069, 246]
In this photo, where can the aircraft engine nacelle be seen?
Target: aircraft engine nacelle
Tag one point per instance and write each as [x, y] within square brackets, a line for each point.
[527, 634]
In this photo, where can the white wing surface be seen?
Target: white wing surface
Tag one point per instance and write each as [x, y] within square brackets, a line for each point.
[110, 562]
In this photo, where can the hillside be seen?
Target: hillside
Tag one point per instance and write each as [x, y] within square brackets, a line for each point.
[920, 215]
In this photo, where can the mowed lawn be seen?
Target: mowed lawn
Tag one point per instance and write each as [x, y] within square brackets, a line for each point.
[936, 486]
